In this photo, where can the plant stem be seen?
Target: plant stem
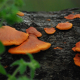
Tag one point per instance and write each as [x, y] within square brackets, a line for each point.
[32, 73]
[30, 56]
[15, 72]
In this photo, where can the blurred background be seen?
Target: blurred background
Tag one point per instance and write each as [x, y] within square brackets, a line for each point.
[49, 5]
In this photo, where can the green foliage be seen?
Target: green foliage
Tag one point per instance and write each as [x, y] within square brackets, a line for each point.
[2, 48]
[8, 12]
[2, 70]
[10, 77]
[22, 65]
[1, 1]
[11, 15]
[19, 3]
[23, 78]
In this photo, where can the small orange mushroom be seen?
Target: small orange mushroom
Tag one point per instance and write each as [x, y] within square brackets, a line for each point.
[70, 16]
[64, 26]
[49, 30]
[77, 16]
[74, 49]
[77, 59]
[58, 48]
[5, 66]
[48, 19]
[10, 36]
[20, 13]
[31, 45]
[32, 30]
[77, 47]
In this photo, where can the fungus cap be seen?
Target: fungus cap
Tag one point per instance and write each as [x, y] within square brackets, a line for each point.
[48, 19]
[31, 45]
[74, 49]
[77, 16]
[64, 26]
[77, 59]
[20, 13]
[50, 30]
[32, 30]
[10, 36]
[70, 16]
[77, 47]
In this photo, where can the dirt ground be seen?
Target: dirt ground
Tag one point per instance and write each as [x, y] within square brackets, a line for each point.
[56, 64]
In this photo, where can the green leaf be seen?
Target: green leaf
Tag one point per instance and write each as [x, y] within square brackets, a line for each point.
[16, 63]
[34, 64]
[2, 70]
[2, 48]
[11, 19]
[23, 78]
[32, 73]
[3, 13]
[1, 1]
[22, 68]
[8, 75]
[12, 78]
[19, 3]
[30, 56]
[9, 14]
[22, 65]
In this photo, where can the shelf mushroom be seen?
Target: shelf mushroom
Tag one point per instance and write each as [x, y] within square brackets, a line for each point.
[20, 13]
[77, 16]
[32, 30]
[31, 45]
[11, 36]
[77, 59]
[64, 26]
[50, 30]
[70, 16]
[77, 47]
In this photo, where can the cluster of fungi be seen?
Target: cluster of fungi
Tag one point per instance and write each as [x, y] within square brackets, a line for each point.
[29, 43]
[72, 16]
[77, 56]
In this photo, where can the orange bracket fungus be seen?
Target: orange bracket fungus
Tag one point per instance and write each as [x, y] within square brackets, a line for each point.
[64, 26]
[10, 36]
[77, 47]
[20, 13]
[77, 59]
[77, 16]
[48, 19]
[31, 45]
[32, 30]
[58, 48]
[49, 30]
[74, 49]
[70, 16]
